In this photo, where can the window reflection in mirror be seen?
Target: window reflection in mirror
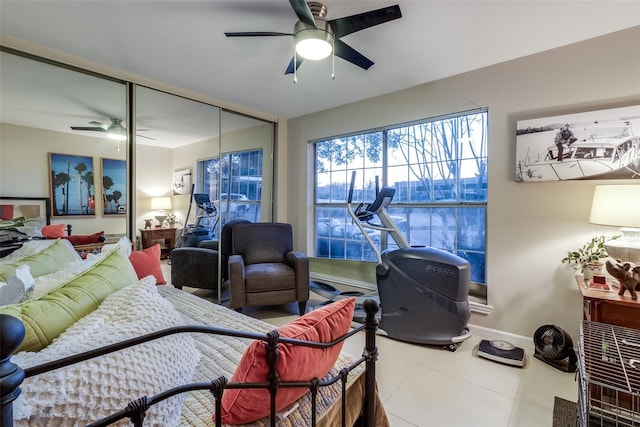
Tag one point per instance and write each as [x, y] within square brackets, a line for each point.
[245, 175]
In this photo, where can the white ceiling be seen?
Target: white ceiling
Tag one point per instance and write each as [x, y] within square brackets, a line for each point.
[182, 43]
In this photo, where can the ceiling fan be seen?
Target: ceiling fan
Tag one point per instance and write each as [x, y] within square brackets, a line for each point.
[115, 130]
[313, 29]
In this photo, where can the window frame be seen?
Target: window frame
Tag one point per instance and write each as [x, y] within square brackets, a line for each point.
[382, 169]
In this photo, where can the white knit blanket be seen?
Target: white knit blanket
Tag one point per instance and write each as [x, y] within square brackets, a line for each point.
[87, 391]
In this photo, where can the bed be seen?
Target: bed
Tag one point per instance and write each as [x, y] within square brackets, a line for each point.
[137, 352]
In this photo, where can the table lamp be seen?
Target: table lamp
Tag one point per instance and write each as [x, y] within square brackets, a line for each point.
[161, 204]
[619, 205]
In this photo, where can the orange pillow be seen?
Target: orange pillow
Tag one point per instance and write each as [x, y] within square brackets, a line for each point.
[86, 239]
[147, 262]
[296, 363]
[53, 231]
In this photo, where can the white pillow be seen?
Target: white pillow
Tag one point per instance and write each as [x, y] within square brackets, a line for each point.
[16, 286]
[87, 391]
[124, 244]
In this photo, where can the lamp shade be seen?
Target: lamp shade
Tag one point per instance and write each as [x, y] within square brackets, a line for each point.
[160, 203]
[616, 205]
[619, 205]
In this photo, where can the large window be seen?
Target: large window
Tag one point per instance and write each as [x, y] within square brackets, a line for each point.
[438, 168]
[236, 188]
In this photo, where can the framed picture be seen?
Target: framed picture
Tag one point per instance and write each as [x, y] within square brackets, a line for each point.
[602, 144]
[114, 187]
[182, 182]
[27, 207]
[71, 185]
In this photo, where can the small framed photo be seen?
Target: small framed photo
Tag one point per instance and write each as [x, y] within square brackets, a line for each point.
[28, 207]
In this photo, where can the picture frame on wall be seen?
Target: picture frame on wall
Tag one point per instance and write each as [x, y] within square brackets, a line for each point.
[30, 208]
[71, 185]
[182, 182]
[599, 144]
[114, 186]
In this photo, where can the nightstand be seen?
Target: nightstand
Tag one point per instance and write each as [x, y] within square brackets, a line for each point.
[609, 307]
[165, 236]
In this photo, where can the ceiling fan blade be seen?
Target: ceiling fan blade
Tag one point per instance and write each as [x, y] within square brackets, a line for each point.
[146, 137]
[97, 129]
[348, 53]
[302, 10]
[351, 24]
[298, 61]
[256, 34]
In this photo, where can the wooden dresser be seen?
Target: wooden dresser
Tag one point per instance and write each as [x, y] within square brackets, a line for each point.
[165, 236]
[609, 307]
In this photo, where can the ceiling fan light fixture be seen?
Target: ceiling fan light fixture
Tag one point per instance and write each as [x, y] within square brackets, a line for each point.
[314, 43]
[116, 132]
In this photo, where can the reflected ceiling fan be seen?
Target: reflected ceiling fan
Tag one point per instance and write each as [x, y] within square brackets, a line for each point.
[316, 38]
[115, 130]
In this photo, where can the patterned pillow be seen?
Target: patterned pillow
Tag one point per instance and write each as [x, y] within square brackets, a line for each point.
[87, 391]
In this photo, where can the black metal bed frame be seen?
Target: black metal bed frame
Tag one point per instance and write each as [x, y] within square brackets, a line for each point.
[11, 375]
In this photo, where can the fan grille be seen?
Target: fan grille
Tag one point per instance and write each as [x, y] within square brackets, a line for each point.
[552, 342]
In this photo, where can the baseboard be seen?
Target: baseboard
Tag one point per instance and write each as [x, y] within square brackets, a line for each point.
[335, 281]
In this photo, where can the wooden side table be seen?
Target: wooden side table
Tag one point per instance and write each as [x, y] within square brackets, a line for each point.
[165, 236]
[609, 307]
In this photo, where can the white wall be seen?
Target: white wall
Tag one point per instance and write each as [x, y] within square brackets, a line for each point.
[24, 169]
[530, 226]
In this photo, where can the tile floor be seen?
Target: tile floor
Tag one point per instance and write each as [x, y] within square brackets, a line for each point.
[426, 386]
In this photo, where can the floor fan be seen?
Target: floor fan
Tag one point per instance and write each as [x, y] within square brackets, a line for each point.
[555, 347]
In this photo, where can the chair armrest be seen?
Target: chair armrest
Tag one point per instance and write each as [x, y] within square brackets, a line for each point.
[236, 281]
[194, 267]
[209, 244]
[300, 263]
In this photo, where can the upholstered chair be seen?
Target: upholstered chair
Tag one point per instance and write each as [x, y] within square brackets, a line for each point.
[198, 267]
[264, 269]
[195, 267]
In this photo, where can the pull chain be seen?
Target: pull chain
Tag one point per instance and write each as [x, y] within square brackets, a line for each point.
[333, 60]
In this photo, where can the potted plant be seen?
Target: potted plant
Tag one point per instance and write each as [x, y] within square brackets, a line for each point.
[588, 257]
[171, 220]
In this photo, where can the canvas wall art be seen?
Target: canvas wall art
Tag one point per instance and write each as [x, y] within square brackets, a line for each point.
[601, 144]
[71, 185]
[182, 182]
[114, 186]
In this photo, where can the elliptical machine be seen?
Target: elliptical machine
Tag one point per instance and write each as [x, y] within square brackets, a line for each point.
[423, 291]
[193, 234]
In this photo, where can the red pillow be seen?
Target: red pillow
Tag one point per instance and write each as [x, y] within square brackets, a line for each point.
[296, 363]
[86, 239]
[53, 231]
[147, 262]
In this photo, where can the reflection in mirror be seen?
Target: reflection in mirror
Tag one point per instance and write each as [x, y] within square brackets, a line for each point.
[245, 173]
[173, 135]
[55, 127]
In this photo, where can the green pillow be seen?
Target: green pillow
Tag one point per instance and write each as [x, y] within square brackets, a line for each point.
[49, 260]
[46, 318]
